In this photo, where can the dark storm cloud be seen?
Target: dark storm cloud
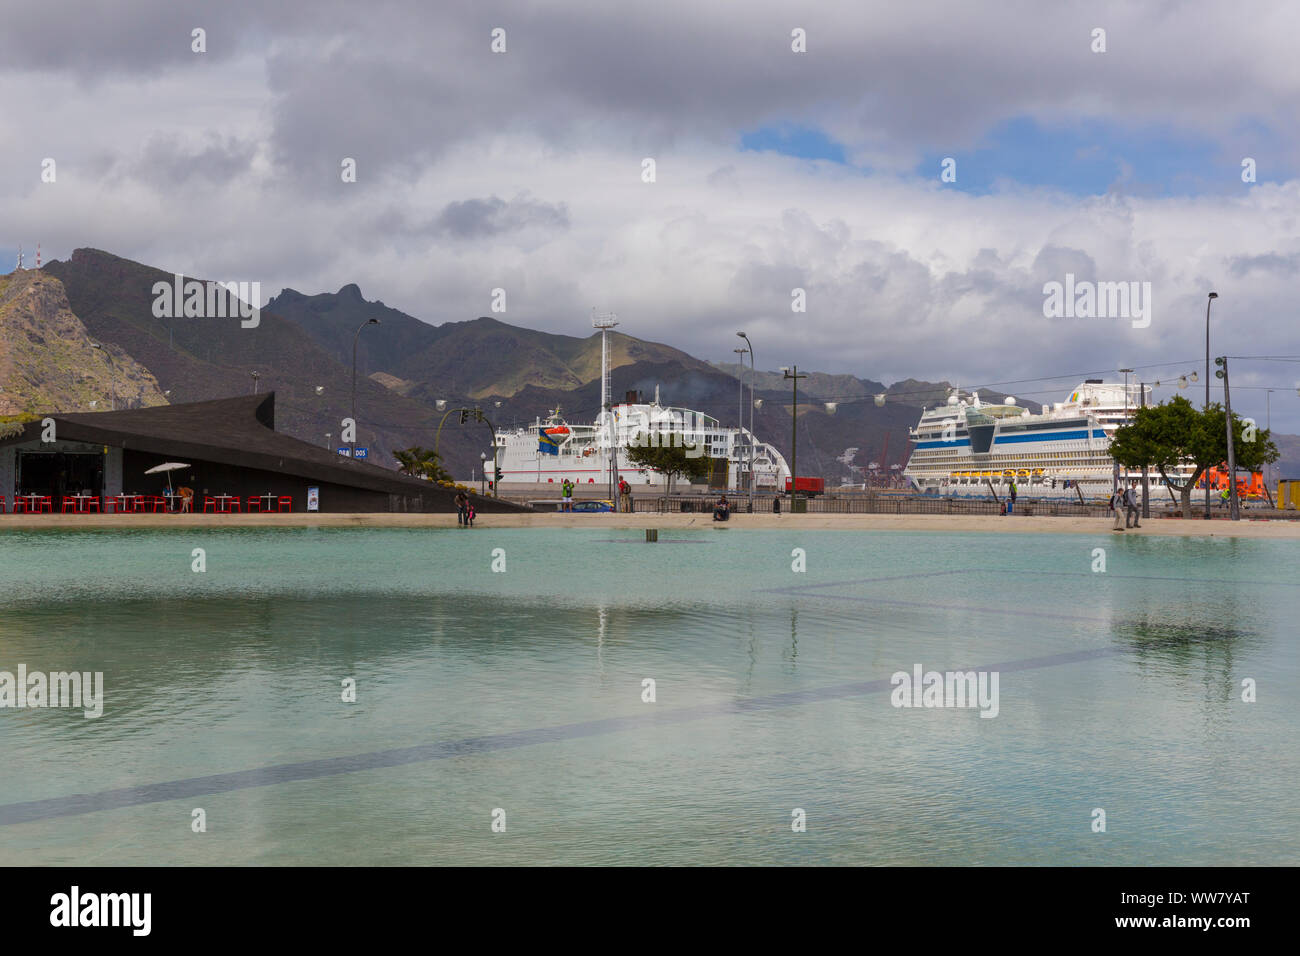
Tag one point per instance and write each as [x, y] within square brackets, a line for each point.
[1270, 262]
[396, 84]
[483, 218]
[166, 160]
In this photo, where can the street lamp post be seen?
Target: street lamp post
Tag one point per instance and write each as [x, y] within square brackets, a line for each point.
[740, 399]
[1127, 372]
[1146, 470]
[1212, 296]
[482, 485]
[256, 376]
[1234, 512]
[1268, 426]
[354, 371]
[792, 376]
[753, 373]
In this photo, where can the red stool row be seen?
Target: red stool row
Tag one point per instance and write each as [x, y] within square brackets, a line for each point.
[139, 504]
[230, 504]
[29, 504]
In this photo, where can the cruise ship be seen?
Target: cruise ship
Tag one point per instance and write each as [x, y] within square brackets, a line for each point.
[972, 448]
[550, 450]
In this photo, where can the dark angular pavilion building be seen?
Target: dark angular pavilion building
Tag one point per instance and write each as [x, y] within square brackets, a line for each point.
[230, 445]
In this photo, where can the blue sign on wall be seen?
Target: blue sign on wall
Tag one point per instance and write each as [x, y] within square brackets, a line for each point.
[345, 452]
[361, 453]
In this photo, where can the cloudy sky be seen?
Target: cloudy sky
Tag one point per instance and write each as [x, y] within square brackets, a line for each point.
[774, 169]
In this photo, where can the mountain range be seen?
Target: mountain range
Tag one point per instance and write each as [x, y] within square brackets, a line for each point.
[302, 348]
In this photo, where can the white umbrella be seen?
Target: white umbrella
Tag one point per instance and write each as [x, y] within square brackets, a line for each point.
[167, 466]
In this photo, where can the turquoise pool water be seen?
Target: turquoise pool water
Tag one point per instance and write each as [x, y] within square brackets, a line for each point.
[522, 690]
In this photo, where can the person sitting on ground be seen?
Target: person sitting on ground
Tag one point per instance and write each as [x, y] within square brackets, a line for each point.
[723, 510]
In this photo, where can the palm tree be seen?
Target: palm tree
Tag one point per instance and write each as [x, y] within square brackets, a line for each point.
[420, 463]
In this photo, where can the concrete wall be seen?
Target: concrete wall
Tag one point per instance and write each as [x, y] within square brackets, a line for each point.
[8, 460]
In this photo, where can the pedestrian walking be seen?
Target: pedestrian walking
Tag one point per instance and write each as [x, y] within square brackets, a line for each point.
[1117, 506]
[1131, 512]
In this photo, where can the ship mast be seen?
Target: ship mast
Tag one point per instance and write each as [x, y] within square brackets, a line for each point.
[606, 321]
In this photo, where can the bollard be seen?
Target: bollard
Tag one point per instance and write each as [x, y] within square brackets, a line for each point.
[651, 534]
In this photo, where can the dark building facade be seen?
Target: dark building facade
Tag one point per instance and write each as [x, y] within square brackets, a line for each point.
[230, 446]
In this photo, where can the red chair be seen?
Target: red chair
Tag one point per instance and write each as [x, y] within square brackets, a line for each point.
[47, 505]
[209, 504]
[2, 504]
[92, 504]
[69, 504]
[232, 504]
[254, 504]
[155, 504]
[20, 505]
[285, 503]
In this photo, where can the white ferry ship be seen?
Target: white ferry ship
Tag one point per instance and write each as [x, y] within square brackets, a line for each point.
[549, 451]
[970, 448]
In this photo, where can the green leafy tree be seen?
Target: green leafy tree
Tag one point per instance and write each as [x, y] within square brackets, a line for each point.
[670, 456]
[421, 463]
[1172, 433]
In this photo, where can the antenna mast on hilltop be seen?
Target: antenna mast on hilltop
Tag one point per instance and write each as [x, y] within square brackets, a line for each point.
[606, 321]
[20, 257]
[38, 255]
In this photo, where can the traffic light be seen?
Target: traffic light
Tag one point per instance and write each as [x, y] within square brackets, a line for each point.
[498, 474]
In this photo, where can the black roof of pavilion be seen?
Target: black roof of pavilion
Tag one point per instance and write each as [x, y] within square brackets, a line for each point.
[238, 431]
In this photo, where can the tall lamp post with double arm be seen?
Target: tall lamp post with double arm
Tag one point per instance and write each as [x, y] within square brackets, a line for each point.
[792, 376]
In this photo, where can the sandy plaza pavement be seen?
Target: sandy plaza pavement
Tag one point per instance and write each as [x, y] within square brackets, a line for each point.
[1195, 527]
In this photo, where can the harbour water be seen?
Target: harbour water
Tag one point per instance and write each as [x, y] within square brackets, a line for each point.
[522, 690]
